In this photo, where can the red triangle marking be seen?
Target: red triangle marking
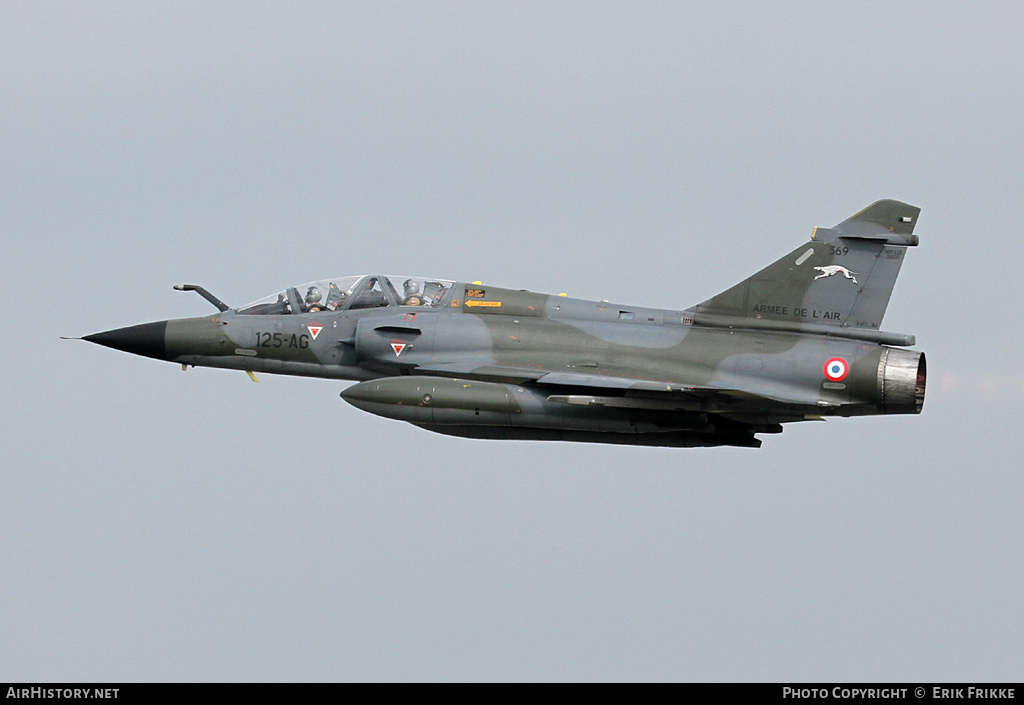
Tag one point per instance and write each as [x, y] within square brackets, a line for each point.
[314, 329]
[398, 346]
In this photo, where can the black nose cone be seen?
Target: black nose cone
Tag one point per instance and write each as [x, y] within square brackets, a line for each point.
[148, 339]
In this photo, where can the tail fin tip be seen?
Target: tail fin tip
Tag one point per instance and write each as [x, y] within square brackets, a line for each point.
[883, 218]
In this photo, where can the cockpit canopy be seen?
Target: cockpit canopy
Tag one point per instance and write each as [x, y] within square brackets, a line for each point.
[352, 293]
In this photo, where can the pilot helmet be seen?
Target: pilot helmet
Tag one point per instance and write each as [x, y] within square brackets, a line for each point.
[411, 287]
[313, 296]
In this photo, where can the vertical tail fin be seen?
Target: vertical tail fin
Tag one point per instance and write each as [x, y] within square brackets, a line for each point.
[844, 276]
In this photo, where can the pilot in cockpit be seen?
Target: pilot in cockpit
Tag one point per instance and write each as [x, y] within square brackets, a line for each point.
[311, 304]
[412, 293]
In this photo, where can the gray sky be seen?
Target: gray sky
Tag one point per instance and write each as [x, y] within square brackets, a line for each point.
[156, 525]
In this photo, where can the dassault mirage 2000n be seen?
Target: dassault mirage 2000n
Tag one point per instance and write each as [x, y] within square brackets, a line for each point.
[799, 340]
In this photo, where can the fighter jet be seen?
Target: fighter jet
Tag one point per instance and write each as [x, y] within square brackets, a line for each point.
[797, 341]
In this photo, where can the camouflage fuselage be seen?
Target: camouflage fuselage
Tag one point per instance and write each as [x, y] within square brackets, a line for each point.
[767, 377]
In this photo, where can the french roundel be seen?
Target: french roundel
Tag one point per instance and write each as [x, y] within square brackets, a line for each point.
[836, 369]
